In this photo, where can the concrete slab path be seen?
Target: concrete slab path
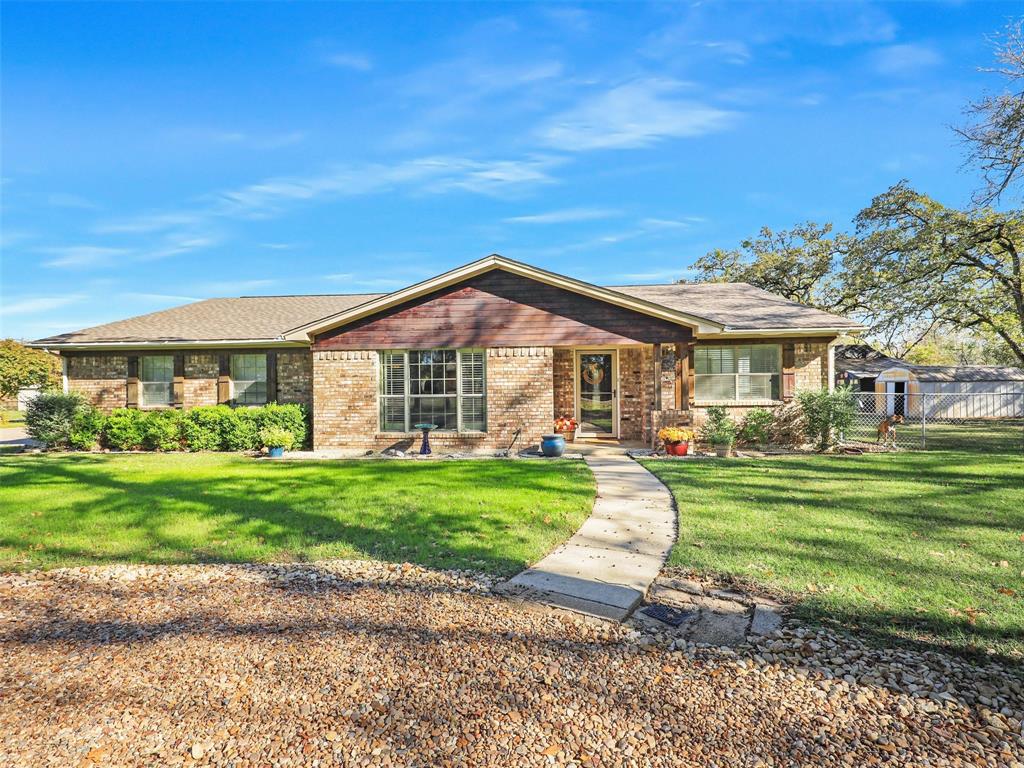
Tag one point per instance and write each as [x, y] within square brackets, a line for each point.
[608, 564]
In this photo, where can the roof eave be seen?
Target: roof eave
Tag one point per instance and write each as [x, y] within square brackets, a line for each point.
[778, 332]
[487, 264]
[104, 346]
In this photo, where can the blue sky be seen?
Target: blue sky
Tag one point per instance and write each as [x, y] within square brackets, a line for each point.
[158, 153]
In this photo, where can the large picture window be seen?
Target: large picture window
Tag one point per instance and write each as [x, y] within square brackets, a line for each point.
[249, 379]
[737, 372]
[434, 386]
[156, 377]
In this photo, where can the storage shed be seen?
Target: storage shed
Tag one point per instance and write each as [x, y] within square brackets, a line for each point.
[937, 391]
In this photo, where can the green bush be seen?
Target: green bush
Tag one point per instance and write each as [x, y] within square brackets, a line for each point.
[203, 428]
[291, 416]
[50, 418]
[123, 429]
[161, 430]
[240, 430]
[828, 414]
[719, 428]
[756, 427]
[86, 427]
[277, 437]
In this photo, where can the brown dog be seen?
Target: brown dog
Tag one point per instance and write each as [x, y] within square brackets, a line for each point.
[887, 429]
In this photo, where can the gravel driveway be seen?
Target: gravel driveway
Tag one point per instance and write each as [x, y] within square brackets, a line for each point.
[355, 664]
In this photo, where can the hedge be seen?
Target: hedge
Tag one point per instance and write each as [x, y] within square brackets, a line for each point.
[67, 421]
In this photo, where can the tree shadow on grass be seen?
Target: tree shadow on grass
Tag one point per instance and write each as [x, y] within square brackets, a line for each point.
[488, 515]
[916, 536]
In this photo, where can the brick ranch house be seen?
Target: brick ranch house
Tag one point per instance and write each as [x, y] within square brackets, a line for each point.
[482, 351]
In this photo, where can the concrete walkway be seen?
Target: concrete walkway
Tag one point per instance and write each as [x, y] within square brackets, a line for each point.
[606, 567]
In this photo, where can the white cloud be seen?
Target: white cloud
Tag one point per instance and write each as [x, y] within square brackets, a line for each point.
[685, 221]
[36, 305]
[80, 256]
[149, 222]
[660, 275]
[354, 61]
[423, 175]
[636, 114]
[11, 237]
[66, 200]
[904, 60]
[563, 216]
[175, 246]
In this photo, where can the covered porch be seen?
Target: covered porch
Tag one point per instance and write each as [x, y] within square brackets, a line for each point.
[623, 393]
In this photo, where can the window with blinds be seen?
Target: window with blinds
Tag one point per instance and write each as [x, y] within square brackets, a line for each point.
[249, 379]
[445, 387]
[156, 377]
[738, 372]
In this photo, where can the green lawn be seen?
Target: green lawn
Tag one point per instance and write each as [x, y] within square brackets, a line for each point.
[497, 516]
[11, 419]
[984, 435]
[926, 547]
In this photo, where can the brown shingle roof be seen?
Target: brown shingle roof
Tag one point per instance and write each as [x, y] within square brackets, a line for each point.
[265, 318]
[248, 317]
[738, 306]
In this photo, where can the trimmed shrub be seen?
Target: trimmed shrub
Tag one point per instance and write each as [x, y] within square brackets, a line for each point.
[86, 427]
[50, 418]
[756, 427]
[828, 414]
[240, 430]
[203, 428]
[291, 416]
[161, 430]
[123, 429]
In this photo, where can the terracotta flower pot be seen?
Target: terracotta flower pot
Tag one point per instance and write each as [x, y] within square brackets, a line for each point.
[677, 449]
[568, 434]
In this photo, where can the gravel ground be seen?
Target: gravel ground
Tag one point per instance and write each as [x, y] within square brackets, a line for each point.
[351, 664]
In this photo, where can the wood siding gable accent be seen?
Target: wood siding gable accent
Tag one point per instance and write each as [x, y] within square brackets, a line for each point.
[500, 309]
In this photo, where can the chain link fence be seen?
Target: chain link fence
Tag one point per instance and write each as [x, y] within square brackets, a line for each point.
[988, 422]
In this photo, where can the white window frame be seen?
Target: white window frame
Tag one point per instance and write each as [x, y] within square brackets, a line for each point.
[144, 401]
[737, 374]
[407, 397]
[264, 380]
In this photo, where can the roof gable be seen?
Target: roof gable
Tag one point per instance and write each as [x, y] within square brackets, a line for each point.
[488, 264]
[499, 308]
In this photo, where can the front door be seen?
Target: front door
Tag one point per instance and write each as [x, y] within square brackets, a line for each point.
[597, 408]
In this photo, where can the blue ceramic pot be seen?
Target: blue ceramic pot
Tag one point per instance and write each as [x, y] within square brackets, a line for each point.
[552, 445]
[276, 453]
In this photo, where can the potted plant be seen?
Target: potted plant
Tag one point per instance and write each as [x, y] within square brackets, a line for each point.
[277, 440]
[719, 430]
[566, 426]
[676, 440]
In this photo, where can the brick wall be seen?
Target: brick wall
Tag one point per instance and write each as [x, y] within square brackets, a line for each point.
[563, 379]
[101, 378]
[200, 380]
[344, 399]
[345, 402]
[295, 377]
[811, 362]
[636, 390]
